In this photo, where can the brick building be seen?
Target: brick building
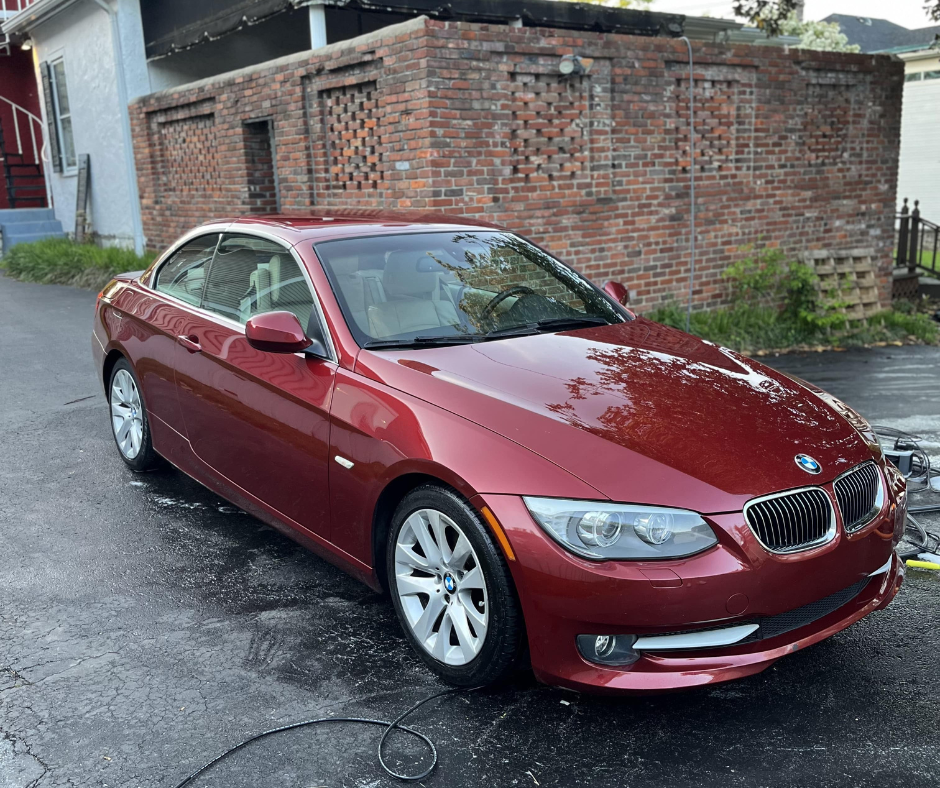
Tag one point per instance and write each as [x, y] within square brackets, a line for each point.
[793, 148]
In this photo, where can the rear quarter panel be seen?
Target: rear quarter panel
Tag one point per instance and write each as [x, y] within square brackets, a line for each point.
[143, 328]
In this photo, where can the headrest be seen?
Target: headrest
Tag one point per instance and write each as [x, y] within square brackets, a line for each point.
[345, 266]
[410, 273]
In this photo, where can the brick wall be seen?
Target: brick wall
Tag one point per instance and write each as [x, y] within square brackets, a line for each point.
[792, 149]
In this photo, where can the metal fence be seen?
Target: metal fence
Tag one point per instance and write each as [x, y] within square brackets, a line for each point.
[918, 241]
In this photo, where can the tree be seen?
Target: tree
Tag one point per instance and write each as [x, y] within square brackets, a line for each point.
[771, 15]
[637, 5]
[824, 36]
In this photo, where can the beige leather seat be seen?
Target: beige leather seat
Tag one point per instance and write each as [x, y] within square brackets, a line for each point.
[352, 286]
[413, 289]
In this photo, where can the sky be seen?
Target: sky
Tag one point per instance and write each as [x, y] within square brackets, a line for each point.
[908, 13]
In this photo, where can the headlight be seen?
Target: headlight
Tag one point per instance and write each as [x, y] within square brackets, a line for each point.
[605, 531]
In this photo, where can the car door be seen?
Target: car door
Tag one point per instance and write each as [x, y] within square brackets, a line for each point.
[258, 419]
[178, 285]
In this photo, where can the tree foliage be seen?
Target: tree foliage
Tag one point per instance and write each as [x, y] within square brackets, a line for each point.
[636, 5]
[772, 16]
[823, 36]
[767, 15]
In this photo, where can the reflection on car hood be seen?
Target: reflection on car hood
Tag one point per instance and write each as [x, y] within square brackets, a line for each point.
[641, 412]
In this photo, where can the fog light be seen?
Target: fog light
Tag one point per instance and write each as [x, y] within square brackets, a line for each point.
[604, 645]
[608, 649]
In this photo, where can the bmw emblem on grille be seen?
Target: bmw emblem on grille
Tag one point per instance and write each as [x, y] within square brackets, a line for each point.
[807, 463]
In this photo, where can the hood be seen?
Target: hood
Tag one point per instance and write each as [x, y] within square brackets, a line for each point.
[641, 412]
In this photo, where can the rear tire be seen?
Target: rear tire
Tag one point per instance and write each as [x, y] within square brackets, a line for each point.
[130, 426]
[452, 590]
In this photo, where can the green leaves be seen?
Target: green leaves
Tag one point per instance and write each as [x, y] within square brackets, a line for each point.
[778, 303]
[61, 261]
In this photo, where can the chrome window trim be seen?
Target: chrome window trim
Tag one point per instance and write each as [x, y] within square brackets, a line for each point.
[879, 499]
[162, 260]
[221, 319]
[824, 539]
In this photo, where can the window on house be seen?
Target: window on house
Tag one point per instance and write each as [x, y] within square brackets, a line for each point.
[932, 75]
[915, 77]
[63, 114]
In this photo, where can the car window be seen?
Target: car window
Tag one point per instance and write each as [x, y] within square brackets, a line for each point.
[184, 274]
[446, 284]
[252, 275]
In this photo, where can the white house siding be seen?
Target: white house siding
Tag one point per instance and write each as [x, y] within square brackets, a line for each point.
[919, 166]
[81, 35]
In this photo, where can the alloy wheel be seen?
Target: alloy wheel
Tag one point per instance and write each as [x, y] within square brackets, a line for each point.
[441, 588]
[126, 414]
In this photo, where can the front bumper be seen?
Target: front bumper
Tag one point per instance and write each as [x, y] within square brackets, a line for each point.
[736, 582]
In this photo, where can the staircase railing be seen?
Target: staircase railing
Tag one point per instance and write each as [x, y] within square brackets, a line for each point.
[29, 139]
[14, 6]
[918, 241]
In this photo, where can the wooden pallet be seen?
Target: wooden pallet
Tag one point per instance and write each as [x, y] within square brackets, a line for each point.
[847, 275]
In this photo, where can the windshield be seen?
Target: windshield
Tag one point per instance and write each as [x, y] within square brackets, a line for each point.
[450, 287]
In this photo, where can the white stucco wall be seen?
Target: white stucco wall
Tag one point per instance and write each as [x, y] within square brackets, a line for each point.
[82, 36]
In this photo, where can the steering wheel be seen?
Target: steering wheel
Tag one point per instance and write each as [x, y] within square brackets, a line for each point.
[487, 311]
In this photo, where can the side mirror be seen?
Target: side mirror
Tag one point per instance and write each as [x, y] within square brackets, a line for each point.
[618, 292]
[276, 332]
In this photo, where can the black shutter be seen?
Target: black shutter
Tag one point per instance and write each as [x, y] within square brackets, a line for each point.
[52, 128]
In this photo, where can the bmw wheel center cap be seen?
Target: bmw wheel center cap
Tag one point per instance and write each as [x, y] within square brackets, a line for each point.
[450, 584]
[807, 463]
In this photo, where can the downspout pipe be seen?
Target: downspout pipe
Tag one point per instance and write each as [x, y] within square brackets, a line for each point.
[136, 220]
[688, 314]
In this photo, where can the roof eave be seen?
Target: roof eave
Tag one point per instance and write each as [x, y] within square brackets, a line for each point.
[21, 23]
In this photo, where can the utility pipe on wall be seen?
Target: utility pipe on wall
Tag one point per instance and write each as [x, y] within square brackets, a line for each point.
[688, 314]
[136, 222]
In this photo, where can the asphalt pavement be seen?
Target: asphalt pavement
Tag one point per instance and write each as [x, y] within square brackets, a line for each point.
[146, 625]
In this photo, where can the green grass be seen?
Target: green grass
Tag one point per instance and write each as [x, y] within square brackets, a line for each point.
[64, 262]
[754, 328]
[925, 257]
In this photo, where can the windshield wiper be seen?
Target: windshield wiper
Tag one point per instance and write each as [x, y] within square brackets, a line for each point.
[549, 323]
[582, 321]
[457, 339]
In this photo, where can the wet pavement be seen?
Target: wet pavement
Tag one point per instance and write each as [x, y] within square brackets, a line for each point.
[146, 625]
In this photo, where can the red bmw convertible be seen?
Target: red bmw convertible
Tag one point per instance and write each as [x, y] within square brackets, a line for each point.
[449, 413]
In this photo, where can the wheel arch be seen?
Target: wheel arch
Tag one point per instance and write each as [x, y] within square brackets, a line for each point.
[110, 360]
[392, 494]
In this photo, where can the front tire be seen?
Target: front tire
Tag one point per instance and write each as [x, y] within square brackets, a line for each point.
[129, 423]
[452, 590]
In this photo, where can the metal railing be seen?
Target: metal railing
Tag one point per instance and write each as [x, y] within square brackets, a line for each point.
[918, 241]
[28, 138]
[33, 129]
[14, 6]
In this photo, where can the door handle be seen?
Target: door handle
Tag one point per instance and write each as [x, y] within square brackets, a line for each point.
[191, 343]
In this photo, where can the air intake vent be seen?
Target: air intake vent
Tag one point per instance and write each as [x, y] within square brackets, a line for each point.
[791, 521]
[859, 495]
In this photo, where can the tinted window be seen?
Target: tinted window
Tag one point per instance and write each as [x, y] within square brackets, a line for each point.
[443, 284]
[252, 275]
[183, 275]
